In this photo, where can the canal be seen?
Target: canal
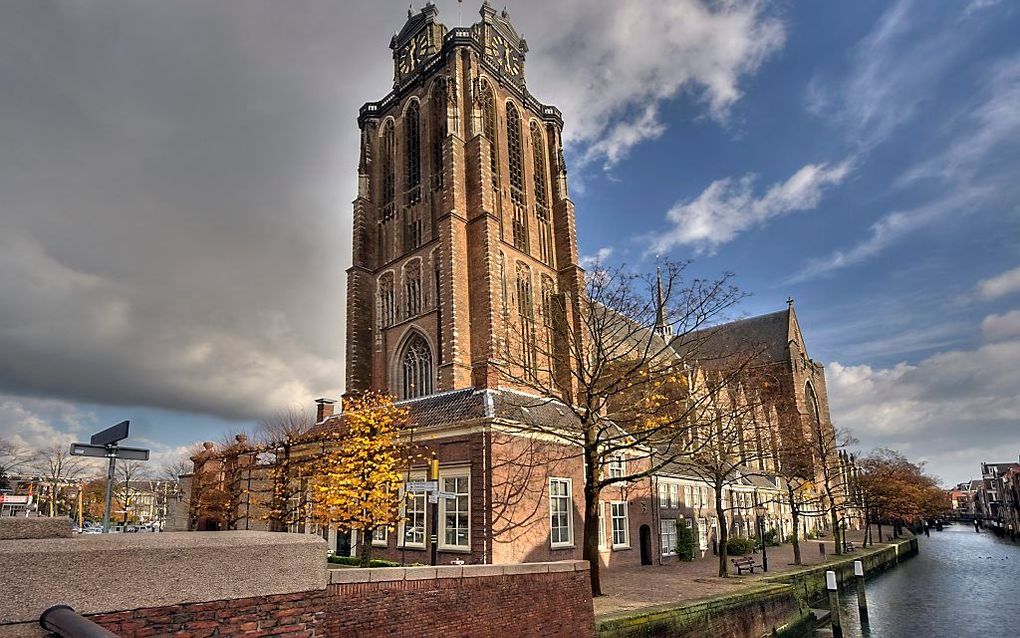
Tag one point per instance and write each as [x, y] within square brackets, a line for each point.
[962, 584]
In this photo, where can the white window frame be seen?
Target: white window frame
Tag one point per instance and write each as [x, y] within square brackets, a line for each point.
[626, 524]
[663, 495]
[402, 529]
[674, 495]
[464, 473]
[381, 542]
[570, 512]
[602, 525]
[670, 549]
[617, 466]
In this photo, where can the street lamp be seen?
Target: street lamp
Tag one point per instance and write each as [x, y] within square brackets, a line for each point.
[760, 510]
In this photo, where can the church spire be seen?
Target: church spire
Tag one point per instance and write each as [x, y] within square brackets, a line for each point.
[662, 328]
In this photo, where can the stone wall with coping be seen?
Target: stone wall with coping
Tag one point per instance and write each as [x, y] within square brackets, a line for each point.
[21, 527]
[269, 584]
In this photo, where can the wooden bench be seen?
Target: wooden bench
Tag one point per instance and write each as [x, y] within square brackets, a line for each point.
[745, 563]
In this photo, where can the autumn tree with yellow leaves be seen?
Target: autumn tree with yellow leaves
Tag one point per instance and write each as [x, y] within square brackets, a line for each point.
[356, 479]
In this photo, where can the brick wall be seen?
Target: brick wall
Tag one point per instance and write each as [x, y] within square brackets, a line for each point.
[547, 599]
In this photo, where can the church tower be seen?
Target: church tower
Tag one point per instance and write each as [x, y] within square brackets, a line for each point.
[463, 229]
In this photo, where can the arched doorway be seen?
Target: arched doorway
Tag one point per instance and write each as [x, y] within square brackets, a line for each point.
[646, 545]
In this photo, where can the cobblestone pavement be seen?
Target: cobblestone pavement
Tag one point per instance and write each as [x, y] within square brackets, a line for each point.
[629, 588]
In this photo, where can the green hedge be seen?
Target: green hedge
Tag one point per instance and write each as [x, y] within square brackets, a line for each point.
[739, 546]
[685, 542]
[354, 560]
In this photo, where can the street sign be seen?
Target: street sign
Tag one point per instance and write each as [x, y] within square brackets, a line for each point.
[84, 449]
[421, 486]
[132, 453]
[433, 497]
[447, 495]
[111, 434]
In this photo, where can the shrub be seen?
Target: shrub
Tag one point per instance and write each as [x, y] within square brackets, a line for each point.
[772, 537]
[685, 542]
[739, 546]
[355, 561]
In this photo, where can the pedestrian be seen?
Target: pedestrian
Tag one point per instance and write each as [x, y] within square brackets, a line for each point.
[927, 529]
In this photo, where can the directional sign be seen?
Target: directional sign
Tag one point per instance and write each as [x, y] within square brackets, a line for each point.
[15, 499]
[447, 495]
[422, 486]
[111, 434]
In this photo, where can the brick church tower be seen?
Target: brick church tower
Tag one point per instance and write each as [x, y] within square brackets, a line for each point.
[463, 228]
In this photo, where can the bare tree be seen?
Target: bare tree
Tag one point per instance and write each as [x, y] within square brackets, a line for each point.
[11, 458]
[726, 428]
[605, 350]
[280, 437]
[125, 488]
[56, 467]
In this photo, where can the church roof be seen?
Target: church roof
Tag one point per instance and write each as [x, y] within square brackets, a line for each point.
[767, 334]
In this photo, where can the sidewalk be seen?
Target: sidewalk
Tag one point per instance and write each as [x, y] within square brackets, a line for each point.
[631, 588]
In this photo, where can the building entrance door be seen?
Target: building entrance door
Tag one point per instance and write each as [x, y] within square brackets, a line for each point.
[343, 543]
[646, 545]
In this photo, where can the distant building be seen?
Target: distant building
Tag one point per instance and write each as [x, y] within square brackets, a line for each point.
[996, 499]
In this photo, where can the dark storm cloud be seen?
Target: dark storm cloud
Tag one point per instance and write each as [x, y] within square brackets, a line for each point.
[176, 183]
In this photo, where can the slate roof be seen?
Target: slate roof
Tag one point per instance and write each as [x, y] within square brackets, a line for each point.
[768, 334]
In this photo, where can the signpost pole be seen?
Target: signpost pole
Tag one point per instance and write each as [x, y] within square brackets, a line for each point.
[112, 454]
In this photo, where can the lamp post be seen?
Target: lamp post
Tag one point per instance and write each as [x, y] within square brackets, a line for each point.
[760, 511]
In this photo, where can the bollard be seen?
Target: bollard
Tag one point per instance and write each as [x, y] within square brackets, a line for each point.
[830, 584]
[862, 597]
[821, 549]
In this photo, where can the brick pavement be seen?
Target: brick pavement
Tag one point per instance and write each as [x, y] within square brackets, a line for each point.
[628, 588]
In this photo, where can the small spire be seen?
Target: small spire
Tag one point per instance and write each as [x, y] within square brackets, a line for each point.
[789, 301]
[661, 327]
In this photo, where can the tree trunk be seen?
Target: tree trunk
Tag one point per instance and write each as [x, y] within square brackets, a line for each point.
[795, 515]
[867, 527]
[724, 533]
[879, 530]
[365, 553]
[590, 547]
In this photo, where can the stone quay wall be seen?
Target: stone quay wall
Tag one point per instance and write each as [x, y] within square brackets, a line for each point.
[776, 605]
[276, 584]
[487, 601]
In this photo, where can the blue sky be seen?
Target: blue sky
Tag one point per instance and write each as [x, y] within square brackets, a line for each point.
[177, 224]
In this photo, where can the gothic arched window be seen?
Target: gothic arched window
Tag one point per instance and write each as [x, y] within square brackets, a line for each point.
[388, 170]
[416, 368]
[387, 303]
[513, 146]
[412, 154]
[812, 404]
[412, 289]
[545, 245]
[489, 130]
[526, 316]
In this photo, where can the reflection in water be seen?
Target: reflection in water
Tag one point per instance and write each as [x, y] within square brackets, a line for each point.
[962, 584]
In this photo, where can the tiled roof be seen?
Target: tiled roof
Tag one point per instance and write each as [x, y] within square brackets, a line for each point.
[767, 334]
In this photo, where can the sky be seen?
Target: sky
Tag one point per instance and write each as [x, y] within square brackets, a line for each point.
[176, 182]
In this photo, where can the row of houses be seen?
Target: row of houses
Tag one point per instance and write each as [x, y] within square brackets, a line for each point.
[993, 500]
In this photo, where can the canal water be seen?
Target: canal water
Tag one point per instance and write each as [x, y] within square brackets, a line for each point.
[961, 584]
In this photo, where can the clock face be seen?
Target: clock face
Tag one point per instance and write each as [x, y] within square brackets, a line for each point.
[413, 53]
[505, 56]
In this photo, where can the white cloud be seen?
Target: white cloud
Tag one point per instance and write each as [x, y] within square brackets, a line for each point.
[893, 227]
[989, 122]
[730, 206]
[36, 423]
[895, 68]
[600, 257]
[1006, 283]
[610, 66]
[1000, 327]
[932, 409]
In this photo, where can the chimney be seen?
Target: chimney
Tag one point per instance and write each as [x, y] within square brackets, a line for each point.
[324, 409]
